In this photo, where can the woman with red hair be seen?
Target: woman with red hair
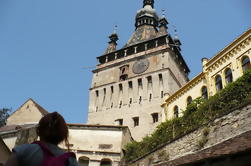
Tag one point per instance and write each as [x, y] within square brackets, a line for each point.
[52, 130]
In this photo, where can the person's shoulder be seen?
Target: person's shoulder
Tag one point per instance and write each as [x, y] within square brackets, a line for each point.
[25, 147]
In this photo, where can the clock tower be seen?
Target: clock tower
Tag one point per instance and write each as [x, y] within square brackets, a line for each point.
[129, 84]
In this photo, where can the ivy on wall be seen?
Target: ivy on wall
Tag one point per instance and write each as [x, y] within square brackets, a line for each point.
[200, 112]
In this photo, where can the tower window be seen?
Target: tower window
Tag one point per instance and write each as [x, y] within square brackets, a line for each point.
[140, 99]
[246, 64]
[160, 78]
[120, 104]
[162, 94]
[130, 84]
[155, 117]
[112, 89]
[218, 83]
[176, 111]
[189, 100]
[136, 121]
[120, 87]
[228, 76]
[204, 92]
[140, 83]
[150, 97]
[130, 101]
[97, 94]
[124, 70]
[119, 122]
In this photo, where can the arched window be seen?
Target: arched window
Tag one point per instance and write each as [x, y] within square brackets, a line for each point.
[189, 100]
[246, 64]
[228, 76]
[106, 162]
[204, 93]
[176, 111]
[218, 83]
[83, 161]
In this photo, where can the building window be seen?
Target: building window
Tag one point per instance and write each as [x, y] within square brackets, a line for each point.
[176, 111]
[246, 64]
[106, 162]
[204, 92]
[155, 117]
[149, 79]
[228, 76]
[150, 97]
[189, 100]
[140, 99]
[119, 122]
[124, 70]
[162, 94]
[140, 83]
[97, 94]
[112, 89]
[120, 87]
[104, 95]
[83, 161]
[130, 101]
[136, 121]
[218, 83]
[120, 104]
[130, 84]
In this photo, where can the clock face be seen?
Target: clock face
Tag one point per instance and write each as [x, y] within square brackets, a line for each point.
[140, 66]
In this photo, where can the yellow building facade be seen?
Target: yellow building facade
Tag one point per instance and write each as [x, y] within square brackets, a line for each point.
[225, 67]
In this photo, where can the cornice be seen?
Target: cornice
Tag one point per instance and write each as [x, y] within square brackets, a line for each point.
[185, 88]
[228, 52]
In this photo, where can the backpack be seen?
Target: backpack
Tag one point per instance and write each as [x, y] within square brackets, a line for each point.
[51, 160]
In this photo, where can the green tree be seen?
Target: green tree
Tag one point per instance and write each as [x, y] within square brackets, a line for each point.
[4, 114]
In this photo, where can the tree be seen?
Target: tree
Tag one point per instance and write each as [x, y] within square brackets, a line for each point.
[4, 114]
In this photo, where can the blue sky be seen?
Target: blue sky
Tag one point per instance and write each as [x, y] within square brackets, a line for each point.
[45, 44]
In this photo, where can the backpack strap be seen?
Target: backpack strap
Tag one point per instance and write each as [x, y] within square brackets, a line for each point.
[48, 151]
[50, 159]
[64, 157]
[44, 148]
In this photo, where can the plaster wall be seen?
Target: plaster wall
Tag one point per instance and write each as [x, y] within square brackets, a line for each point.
[98, 143]
[26, 114]
[112, 99]
[10, 142]
[194, 91]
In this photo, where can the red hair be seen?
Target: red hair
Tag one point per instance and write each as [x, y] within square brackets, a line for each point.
[53, 129]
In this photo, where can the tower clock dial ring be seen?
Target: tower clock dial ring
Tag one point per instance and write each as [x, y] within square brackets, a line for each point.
[140, 66]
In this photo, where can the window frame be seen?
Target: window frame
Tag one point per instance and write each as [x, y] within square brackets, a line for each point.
[218, 83]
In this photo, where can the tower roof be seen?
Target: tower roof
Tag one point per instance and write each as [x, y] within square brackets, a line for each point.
[146, 24]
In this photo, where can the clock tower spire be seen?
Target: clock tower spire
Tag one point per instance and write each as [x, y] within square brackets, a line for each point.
[148, 2]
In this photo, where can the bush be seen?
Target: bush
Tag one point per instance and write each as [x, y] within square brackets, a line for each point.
[197, 114]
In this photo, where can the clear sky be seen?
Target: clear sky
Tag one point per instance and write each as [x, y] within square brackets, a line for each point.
[45, 45]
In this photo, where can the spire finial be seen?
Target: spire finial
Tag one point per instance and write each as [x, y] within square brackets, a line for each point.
[176, 37]
[148, 2]
[163, 13]
[175, 32]
[115, 29]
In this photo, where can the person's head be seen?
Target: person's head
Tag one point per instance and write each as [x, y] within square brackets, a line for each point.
[53, 129]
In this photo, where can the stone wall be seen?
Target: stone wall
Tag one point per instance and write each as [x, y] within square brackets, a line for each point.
[218, 131]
